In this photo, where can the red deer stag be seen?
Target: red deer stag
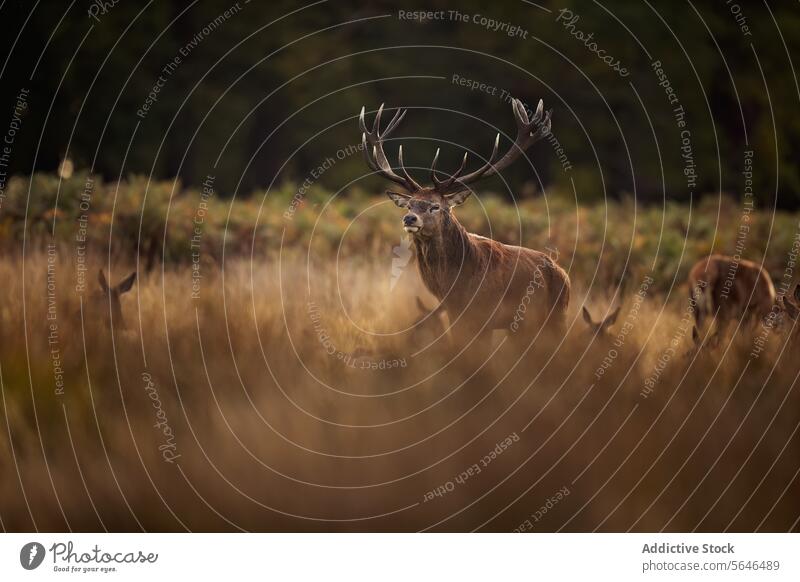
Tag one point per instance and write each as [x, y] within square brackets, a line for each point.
[482, 284]
[730, 290]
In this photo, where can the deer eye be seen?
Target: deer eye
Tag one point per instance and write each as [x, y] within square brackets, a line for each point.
[434, 208]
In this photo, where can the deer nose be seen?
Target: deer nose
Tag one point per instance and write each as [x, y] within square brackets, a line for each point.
[409, 220]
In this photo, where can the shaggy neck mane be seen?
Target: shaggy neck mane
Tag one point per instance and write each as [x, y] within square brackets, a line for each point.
[445, 256]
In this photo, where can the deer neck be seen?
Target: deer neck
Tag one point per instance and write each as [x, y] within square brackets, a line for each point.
[444, 257]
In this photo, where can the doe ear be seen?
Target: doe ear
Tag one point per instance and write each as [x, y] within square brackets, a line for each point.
[457, 198]
[790, 308]
[586, 316]
[611, 319]
[398, 198]
[101, 278]
[797, 292]
[695, 335]
[127, 283]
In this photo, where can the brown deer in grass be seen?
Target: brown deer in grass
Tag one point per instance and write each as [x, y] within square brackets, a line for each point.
[790, 308]
[697, 346]
[106, 301]
[480, 283]
[427, 329]
[730, 290]
[599, 329]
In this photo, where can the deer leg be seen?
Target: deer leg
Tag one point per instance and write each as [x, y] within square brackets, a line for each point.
[697, 296]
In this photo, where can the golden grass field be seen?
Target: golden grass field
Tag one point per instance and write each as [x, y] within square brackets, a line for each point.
[245, 407]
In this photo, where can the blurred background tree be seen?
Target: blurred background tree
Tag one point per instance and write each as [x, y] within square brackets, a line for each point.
[271, 91]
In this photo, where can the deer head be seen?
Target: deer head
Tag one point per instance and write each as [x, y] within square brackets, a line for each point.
[112, 295]
[599, 328]
[702, 345]
[788, 306]
[428, 207]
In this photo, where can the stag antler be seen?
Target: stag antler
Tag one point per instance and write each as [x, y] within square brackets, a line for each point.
[526, 137]
[373, 149]
[529, 131]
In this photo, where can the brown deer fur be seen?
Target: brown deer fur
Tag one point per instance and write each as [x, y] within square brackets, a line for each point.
[482, 282]
[732, 290]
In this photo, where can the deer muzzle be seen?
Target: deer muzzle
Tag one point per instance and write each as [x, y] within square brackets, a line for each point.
[411, 222]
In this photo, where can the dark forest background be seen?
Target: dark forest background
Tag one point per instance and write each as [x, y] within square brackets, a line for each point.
[275, 89]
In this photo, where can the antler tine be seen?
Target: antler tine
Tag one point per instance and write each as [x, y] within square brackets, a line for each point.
[376, 125]
[476, 175]
[434, 179]
[371, 160]
[520, 114]
[452, 178]
[405, 172]
[529, 131]
[446, 184]
[544, 127]
[398, 117]
[449, 182]
[375, 156]
[539, 109]
[370, 163]
[460, 169]
[362, 124]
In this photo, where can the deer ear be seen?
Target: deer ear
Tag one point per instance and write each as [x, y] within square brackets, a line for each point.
[101, 278]
[586, 316]
[127, 283]
[457, 198]
[400, 199]
[797, 292]
[611, 319]
[695, 335]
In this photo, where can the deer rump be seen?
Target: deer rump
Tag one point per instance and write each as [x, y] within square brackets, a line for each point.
[486, 284]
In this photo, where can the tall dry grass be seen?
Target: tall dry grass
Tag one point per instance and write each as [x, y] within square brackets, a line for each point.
[267, 430]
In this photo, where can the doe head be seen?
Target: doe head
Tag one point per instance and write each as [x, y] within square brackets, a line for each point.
[599, 328]
[789, 307]
[111, 294]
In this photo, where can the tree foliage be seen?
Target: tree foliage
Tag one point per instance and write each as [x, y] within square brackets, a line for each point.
[272, 91]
